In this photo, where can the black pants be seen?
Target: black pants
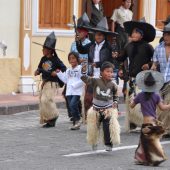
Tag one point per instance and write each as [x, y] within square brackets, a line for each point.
[106, 131]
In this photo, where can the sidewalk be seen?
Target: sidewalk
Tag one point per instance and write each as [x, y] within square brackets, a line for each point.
[19, 102]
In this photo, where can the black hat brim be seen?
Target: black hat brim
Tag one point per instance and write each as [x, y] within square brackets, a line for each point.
[47, 47]
[148, 30]
[106, 32]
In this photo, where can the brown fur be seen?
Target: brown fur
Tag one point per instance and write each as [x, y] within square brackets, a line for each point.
[133, 115]
[150, 141]
[164, 116]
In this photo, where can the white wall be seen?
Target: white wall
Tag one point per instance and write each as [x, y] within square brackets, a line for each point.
[9, 26]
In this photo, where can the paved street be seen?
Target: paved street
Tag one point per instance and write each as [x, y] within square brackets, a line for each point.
[27, 146]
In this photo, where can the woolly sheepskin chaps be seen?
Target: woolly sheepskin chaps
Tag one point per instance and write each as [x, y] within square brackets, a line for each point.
[94, 130]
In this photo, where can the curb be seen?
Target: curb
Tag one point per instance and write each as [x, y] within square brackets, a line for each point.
[12, 109]
[17, 108]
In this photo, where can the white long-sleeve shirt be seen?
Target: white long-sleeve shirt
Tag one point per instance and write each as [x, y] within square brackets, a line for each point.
[72, 77]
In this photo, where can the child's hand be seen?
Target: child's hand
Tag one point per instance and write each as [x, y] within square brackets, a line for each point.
[36, 73]
[114, 54]
[115, 105]
[54, 74]
[84, 68]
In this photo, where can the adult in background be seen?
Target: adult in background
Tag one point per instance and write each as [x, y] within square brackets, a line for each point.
[47, 67]
[161, 57]
[94, 10]
[121, 15]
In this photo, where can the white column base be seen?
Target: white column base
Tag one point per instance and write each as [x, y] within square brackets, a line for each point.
[27, 84]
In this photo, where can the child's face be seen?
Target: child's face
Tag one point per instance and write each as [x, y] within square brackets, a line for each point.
[81, 35]
[107, 74]
[73, 60]
[46, 52]
[166, 37]
[127, 4]
[99, 37]
[96, 1]
[136, 36]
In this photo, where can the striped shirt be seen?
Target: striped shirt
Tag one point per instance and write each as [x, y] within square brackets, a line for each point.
[160, 57]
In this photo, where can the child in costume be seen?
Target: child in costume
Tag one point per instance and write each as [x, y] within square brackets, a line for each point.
[104, 110]
[47, 66]
[149, 151]
[74, 87]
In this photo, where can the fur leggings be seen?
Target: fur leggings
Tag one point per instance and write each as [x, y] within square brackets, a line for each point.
[94, 124]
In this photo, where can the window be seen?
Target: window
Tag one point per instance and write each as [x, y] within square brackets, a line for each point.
[162, 11]
[55, 13]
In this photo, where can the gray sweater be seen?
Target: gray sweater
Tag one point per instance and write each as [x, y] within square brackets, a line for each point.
[104, 92]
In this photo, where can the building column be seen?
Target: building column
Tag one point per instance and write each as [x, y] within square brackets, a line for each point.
[26, 83]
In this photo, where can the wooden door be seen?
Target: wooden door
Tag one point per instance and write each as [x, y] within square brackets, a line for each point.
[162, 11]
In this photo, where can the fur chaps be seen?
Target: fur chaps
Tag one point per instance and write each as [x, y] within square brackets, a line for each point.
[94, 127]
[150, 151]
[47, 105]
[133, 115]
[164, 116]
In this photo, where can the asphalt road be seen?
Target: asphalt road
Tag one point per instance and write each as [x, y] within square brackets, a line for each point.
[27, 146]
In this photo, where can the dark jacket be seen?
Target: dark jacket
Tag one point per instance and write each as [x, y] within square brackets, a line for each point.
[47, 65]
[105, 52]
[139, 53]
[96, 15]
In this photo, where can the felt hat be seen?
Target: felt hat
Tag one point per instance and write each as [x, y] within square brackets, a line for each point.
[149, 31]
[83, 21]
[102, 27]
[167, 20]
[149, 81]
[166, 28]
[49, 42]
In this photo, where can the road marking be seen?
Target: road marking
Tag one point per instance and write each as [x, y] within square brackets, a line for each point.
[103, 151]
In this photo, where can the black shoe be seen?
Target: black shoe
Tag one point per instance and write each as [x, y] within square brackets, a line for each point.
[132, 126]
[166, 136]
[47, 125]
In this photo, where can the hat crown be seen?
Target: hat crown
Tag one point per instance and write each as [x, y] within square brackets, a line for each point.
[83, 20]
[50, 41]
[149, 79]
[103, 24]
[167, 28]
[167, 20]
[142, 20]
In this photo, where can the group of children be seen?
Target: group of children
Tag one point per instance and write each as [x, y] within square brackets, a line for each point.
[103, 108]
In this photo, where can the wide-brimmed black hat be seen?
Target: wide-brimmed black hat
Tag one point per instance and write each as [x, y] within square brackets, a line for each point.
[49, 42]
[166, 28]
[149, 31]
[83, 21]
[167, 20]
[149, 81]
[102, 27]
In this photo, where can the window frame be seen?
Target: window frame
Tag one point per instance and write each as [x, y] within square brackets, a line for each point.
[36, 31]
[152, 14]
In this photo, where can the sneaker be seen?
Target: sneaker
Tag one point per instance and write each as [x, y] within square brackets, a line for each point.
[94, 147]
[108, 148]
[76, 126]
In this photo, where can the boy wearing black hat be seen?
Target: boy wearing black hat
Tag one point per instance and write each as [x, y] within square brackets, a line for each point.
[98, 52]
[139, 52]
[47, 67]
